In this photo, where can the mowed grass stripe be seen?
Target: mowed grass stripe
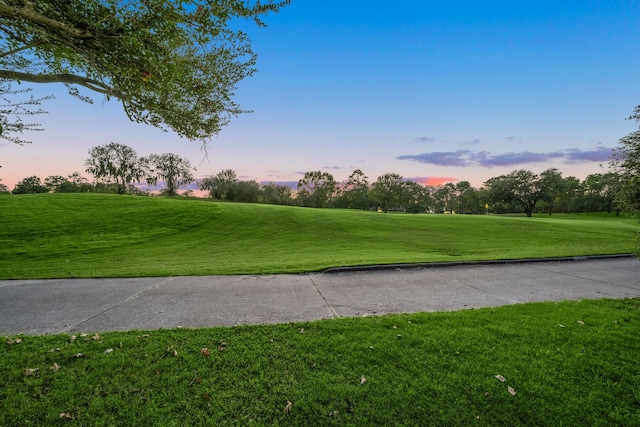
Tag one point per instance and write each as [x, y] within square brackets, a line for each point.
[569, 363]
[98, 235]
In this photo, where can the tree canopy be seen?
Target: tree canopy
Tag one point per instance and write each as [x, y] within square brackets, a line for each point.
[221, 186]
[116, 162]
[387, 190]
[13, 112]
[626, 161]
[173, 169]
[316, 189]
[171, 64]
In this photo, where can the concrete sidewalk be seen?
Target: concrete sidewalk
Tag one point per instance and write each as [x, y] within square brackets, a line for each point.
[99, 305]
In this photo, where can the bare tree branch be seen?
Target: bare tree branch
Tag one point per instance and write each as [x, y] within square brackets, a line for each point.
[92, 84]
[19, 49]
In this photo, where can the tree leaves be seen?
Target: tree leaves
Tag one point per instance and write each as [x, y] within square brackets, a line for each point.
[169, 66]
[173, 169]
[117, 162]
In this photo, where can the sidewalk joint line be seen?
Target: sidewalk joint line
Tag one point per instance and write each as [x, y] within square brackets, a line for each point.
[130, 298]
[333, 313]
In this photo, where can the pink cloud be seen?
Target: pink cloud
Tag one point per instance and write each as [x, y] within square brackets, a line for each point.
[433, 181]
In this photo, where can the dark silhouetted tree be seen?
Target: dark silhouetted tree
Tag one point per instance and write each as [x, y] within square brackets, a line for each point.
[28, 185]
[170, 168]
[316, 189]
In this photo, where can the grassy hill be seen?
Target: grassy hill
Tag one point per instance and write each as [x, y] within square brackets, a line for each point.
[100, 235]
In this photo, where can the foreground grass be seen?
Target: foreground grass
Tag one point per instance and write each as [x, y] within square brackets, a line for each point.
[569, 363]
[97, 235]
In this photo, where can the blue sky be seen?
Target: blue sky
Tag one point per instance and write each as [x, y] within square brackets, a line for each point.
[445, 90]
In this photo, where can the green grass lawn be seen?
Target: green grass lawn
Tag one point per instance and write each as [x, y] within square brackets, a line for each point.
[98, 235]
[569, 363]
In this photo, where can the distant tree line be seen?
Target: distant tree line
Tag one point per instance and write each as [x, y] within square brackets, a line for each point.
[519, 191]
[117, 167]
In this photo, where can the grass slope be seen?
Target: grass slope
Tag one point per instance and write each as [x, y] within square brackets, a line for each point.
[569, 363]
[97, 235]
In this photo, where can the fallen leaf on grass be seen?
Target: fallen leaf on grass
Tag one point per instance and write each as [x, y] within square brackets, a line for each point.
[205, 352]
[30, 371]
[562, 326]
[78, 355]
[580, 322]
[206, 396]
[72, 338]
[287, 408]
[55, 367]
[511, 390]
[501, 378]
[171, 351]
[363, 380]
[109, 350]
[96, 337]
[12, 341]
[66, 416]
[223, 346]
[195, 378]
[53, 350]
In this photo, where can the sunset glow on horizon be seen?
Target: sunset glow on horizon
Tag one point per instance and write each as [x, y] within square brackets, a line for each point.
[438, 91]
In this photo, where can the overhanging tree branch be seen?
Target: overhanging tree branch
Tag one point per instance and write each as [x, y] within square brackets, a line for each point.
[28, 12]
[173, 64]
[16, 50]
[61, 78]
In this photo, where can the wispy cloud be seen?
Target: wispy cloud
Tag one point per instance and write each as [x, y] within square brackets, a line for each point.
[442, 158]
[425, 139]
[513, 139]
[332, 167]
[462, 158]
[291, 184]
[600, 154]
[472, 142]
